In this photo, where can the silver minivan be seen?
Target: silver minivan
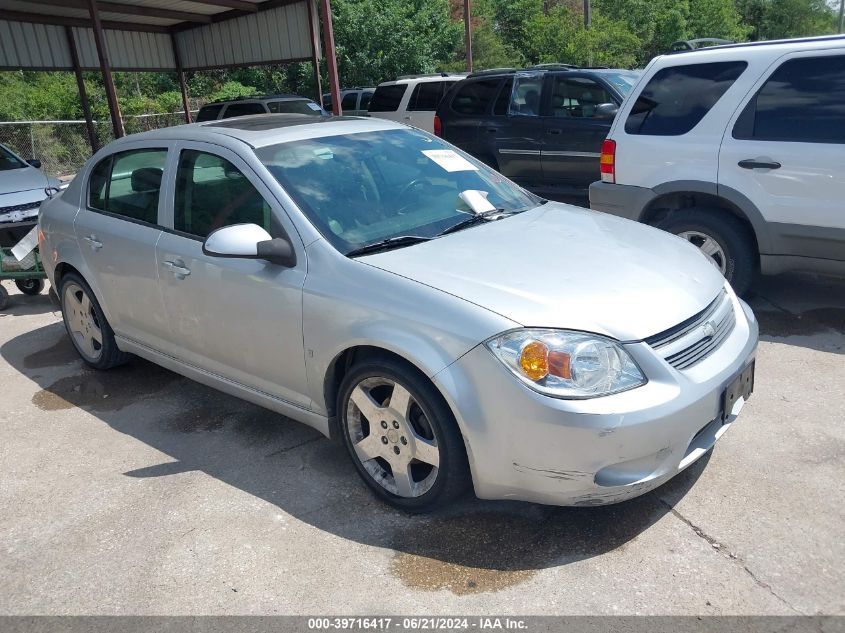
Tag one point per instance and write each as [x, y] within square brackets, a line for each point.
[374, 282]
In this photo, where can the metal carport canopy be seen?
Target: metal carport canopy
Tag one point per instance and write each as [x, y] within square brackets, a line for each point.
[160, 35]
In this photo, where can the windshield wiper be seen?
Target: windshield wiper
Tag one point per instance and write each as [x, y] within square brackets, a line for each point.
[386, 245]
[474, 219]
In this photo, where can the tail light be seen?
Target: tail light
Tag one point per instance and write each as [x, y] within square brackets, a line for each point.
[438, 126]
[608, 161]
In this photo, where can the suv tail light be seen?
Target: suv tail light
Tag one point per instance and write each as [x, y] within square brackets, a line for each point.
[438, 127]
[608, 161]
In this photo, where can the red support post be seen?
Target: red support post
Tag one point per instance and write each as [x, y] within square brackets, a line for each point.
[80, 86]
[181, 74]
[468, 33]
[315, 44]
[108, 80]
[331, 57]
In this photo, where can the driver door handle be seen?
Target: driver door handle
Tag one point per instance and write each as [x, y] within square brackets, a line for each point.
[177, 268]
[93, 242]
[761, 163]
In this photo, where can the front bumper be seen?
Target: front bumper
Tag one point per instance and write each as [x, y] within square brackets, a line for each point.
[523, 445]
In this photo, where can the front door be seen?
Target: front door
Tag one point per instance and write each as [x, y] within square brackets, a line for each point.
[117, 228]
[784, 151]
[572, 134]
[236, 318]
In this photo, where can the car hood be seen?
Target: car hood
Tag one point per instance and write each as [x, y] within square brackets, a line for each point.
[561, 266]
[23, 179]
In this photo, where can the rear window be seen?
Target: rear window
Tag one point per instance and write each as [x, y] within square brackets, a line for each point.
[295, 106]
[208, 113]
[803, 101]
[426, 96]
[387, 98]
[474, 97]
[675, 99]
[242, 109]
[349, 101]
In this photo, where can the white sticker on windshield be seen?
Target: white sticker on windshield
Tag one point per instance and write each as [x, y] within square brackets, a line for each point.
[449, 160]
[314, 107]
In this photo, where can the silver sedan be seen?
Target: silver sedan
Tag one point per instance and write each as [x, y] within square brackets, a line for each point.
[374, 282]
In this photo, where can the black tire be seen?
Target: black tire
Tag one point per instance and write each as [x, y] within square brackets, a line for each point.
[109, 355]
[4, 298]
[453, 475]
[730, 233]
[30, 287]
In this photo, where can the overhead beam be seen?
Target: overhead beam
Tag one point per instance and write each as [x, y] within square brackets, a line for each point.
[130, 9]
[236, 13]
[43, 18]
[241, 5]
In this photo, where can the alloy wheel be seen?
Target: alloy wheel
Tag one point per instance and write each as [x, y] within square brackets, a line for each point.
[709, 246]
[82, 321]
[392, 437]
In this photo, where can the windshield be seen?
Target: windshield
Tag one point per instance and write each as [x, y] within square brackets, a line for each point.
[9, 161]
[359, 189]
[622, 81]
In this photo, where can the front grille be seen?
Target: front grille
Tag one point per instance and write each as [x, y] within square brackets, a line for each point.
[696, 338]
[21, 207]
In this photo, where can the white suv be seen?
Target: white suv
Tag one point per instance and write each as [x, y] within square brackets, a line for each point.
[412, 100]
[739, 149]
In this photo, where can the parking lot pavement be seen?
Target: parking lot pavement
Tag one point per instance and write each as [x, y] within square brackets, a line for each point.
[137, 491]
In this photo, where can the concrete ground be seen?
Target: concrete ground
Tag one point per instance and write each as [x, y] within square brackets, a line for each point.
[137, 491]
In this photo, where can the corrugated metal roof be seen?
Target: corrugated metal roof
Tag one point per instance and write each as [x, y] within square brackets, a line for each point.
[273, 35]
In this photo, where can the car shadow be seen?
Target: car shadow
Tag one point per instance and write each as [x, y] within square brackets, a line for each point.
[20, 304]
[803, 310]
[473, 546]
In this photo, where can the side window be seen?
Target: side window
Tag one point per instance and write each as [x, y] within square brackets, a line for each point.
[212, 193]
[802, 101]
[504, 98]
[426, 96]
[242, 109]
[128, 184]
[387, 98]
[474, 96]
[525, 97]
[577, 97]
[365, 100]
[676, 99]
[208, 113]
[349, 101]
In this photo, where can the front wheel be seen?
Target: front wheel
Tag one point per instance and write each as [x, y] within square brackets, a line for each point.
[722, 238]
[401, 436]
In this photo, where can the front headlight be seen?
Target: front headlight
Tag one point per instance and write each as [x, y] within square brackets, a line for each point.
[567, 364]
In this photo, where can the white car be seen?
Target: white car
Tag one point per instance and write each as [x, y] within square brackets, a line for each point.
[738, 149]
[412, 100]
[22, 187]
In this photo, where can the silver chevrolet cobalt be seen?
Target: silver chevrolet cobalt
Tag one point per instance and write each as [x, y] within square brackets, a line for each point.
[374, 282]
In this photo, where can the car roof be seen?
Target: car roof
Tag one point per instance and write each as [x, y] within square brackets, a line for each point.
[769, 47]
[278, 97]
[423, 78]
[260, 130]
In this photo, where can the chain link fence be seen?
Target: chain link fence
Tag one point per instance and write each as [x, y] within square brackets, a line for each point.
[63, 146]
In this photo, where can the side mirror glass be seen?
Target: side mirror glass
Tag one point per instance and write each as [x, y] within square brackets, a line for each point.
[34, 162]
[249, 241]
[606, 111]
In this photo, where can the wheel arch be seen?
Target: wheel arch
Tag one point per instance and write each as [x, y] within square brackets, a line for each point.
[673, 196]
[62, 268]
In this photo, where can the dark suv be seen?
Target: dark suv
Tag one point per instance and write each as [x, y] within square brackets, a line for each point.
[542, 127]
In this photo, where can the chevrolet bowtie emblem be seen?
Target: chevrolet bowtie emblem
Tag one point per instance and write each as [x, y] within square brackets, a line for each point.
[709, 328]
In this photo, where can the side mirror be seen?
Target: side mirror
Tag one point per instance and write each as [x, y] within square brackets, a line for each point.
[249, 241]
[606, 111]
[34, 162]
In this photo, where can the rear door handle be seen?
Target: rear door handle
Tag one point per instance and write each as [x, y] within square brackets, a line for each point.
[177, 268]
[553, 131]
[93, 242]
[491, 130]
[758, 163]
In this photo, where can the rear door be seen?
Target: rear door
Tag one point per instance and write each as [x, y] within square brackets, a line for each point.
[117, 229]
[236, 318]
[519, 137]
[572, 135]
[784, 150]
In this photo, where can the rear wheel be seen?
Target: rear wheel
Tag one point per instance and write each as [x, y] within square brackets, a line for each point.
[4, 298]
[30, 287]
[401, 436]
[86, 324]
[722, 238]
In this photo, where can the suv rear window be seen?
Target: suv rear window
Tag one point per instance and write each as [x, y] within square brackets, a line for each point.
[208, 113]
[675, 99]
[801, 102]
[426, 96]
[387, 98]
[242, 109]
[474, 96]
